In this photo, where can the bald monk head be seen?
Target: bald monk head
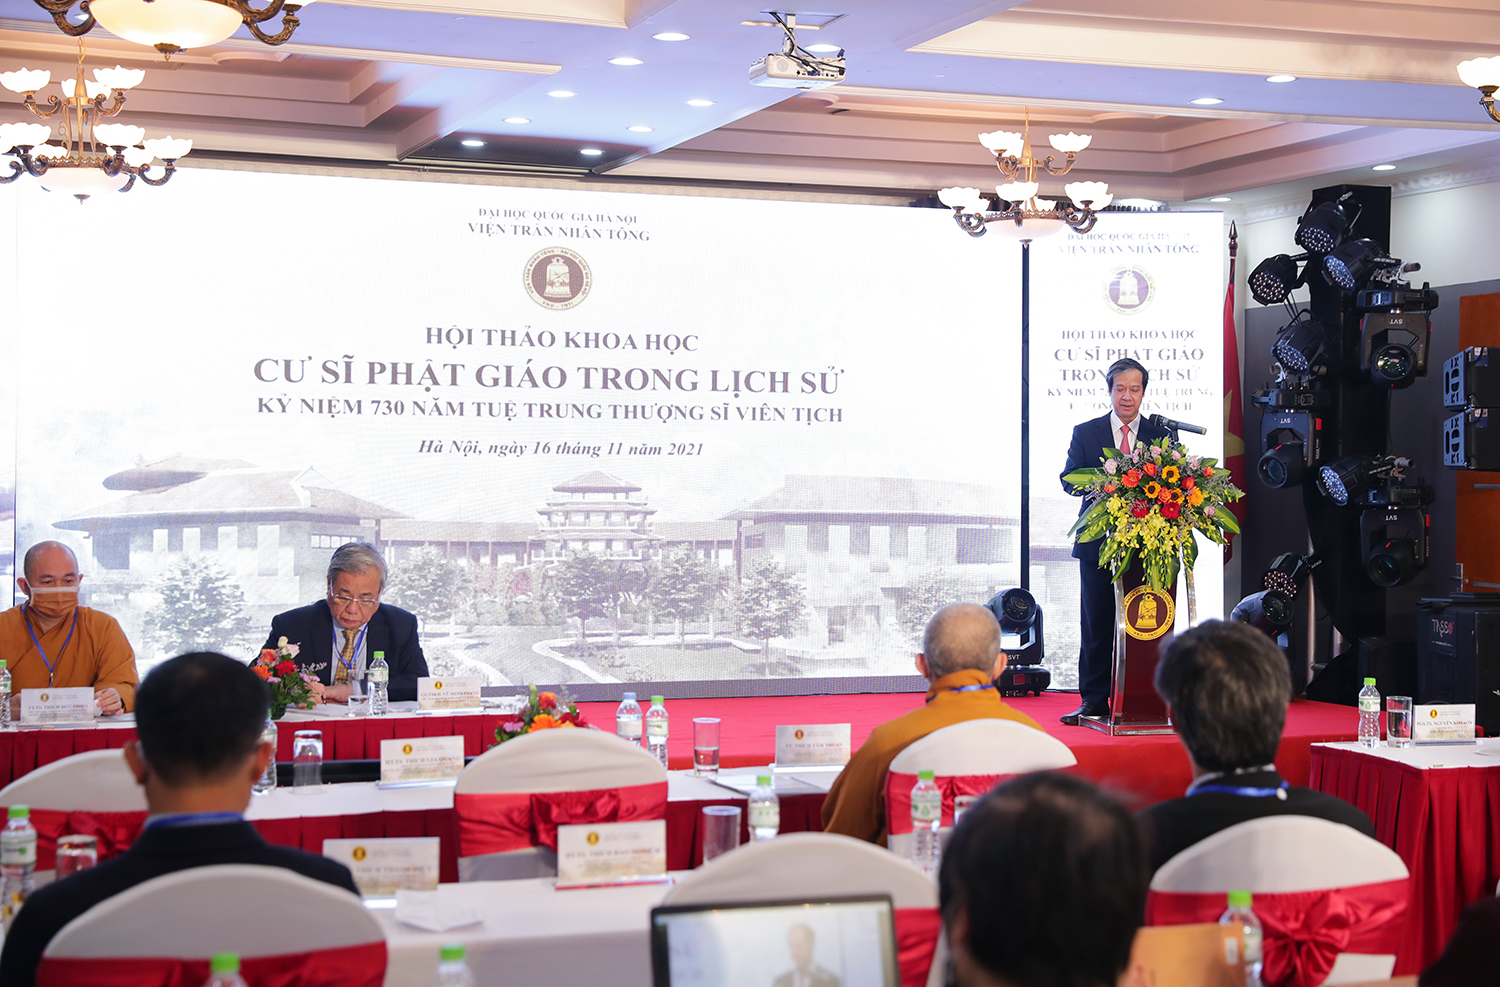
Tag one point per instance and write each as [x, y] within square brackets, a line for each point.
[50, 581]
[958, 637]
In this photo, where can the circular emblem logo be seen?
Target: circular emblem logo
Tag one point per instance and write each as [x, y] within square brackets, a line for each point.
[437, 685]
[45, 697]
[406, 748]
[1129, 289]
[800, 735]
[1148, 614]
[1432, 714]
[593, 839]
[557, 278]
[360, 853]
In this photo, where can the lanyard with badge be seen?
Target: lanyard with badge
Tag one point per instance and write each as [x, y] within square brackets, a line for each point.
[51, 667]
[1249, 791]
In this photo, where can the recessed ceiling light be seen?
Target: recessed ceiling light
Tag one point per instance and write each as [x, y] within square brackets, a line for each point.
[822, 48]
[1220, 198]
[1206, 101]
[639, 129]
[561, 93]
[671, 36]
[592, 152]
[1384, 167]
[626, 60]
[1281, 78]
[700, 102]
[517, 119]
[471, 142]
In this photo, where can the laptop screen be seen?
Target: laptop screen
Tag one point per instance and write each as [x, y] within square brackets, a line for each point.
[827, 942]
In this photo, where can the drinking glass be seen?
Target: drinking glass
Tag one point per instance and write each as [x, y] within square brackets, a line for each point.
[962, 804]
[307, 761]
[721, 830]
[75, 853]
[1398, 721]
[706, 746]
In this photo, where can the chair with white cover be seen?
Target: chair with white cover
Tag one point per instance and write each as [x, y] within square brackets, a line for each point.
[1330, 899]
[968, 758]
[90, 794]
[825, 865]
[287, 929]
[511, 799]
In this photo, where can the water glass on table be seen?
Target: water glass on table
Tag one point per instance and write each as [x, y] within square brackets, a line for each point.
[721, 830]
[76, 852]
[706, 746]
[1398, 717]
[307, 762]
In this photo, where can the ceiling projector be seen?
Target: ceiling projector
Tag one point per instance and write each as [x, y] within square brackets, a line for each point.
[787, 71]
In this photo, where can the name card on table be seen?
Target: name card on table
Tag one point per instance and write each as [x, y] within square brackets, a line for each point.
[381, 867]
[810, 744]
[1443, 724]
[449, 693]
[420, 761]
[75, 705]
[603, 854]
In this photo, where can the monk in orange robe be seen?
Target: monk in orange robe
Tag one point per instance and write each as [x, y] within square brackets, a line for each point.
[51, 642]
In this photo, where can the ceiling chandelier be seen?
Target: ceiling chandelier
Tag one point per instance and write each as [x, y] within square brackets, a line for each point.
[1483, 74]
[1022, 214]
[170, 26]
[90, 157]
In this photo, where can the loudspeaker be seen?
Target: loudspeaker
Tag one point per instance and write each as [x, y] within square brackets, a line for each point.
[1023, 680]
[1471, 440]
[1458, 655]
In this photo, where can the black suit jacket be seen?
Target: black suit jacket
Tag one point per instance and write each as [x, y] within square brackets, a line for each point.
[817, 977]
[1173, 826]
[391, 630]
[156, 852]
[1090, 439]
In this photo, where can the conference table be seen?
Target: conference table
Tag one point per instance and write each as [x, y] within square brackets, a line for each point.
[1439, 808]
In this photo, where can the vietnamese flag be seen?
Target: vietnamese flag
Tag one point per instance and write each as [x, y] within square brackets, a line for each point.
[1234, 412]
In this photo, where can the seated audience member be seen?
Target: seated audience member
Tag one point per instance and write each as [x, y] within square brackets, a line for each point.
[1469, 958]
[1043, 884]
[50, 642]
[1227, 686]
[961, 658]
[339, 635]
[199, 718]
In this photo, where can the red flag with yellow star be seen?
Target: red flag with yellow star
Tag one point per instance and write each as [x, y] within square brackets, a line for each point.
[1234, 412]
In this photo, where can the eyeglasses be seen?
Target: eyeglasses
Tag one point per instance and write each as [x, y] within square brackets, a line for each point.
[349, 601]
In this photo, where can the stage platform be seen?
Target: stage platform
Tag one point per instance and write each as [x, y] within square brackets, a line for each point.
[1138, 770]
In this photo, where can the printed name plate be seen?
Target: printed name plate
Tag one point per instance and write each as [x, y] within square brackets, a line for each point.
[810, 744]
[420, 761]
[612, 853]
[75, 705]
[381, 867]
[449, 693]
[1443, 724]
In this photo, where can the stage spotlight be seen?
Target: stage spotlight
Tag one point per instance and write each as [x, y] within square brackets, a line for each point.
[1275, 278]
[1345, 479]
[1267, 611]
[1393, 346]
[1288, 440]
[1300, 344]
[1021, 639]
[1283, 464]
[1352, 264]
[1323, 226]
[1395, 541]
[1288, 572]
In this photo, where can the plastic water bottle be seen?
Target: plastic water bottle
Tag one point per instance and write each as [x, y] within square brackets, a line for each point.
[378, 678]
[926, 820]
[4, 696]
[656, 729]
[267, 781]
[1369, 715]
[224, 971]
[765, 810]
[17, 862]
[452, 970]
[628, 720]
[1239, 913]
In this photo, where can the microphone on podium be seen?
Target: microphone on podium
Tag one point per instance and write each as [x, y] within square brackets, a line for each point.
[1162, 421]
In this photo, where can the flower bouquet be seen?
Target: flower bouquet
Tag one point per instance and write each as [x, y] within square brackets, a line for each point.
[1147, 503]
[543, 711]
[290, 685]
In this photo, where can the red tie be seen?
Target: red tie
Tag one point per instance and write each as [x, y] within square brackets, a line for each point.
[1125, 438]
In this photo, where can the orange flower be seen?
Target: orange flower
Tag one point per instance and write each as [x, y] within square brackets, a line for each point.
[1109, 488]
[1149, 469]
[262, 670]
[1151, 490]
[1208, 471]
[1132, 478]
[546, 700]
[1165, 495]
[565, 725]
[267, 655]
[1176, 495]
[1195, 498]
[1169, 474]
[1188, 483]
[543, 722]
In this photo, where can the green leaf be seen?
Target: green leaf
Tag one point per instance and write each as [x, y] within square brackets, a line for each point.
[1227, 521]
[1083, 477]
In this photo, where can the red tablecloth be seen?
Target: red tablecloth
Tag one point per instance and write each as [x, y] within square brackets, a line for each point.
[1445, 824]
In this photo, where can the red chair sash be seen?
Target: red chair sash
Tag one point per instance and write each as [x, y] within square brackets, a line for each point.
[498, 822]
[1305, 931]
[116, 831]
[348, 966]
[898, 788]
[916, 942]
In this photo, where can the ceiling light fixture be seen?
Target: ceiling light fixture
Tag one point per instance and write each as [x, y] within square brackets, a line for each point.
[561, 93]
[90, 157]
[1483, 74]
[640, 129]
[1221, 198]
[823, 48]
[1281, 78]
[1025, 216]
[671, 36]
[700, 102]
[592, 152]
[517, 119]
[1206, 101]
[171, 26]
[471, 142]
[626, 60]
[1384, 167]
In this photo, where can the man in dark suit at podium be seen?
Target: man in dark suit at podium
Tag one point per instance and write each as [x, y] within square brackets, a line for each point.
[1123, 428]
[340, 635]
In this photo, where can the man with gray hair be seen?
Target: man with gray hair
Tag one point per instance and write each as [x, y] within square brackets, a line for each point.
[960, 659]
[340, 635]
